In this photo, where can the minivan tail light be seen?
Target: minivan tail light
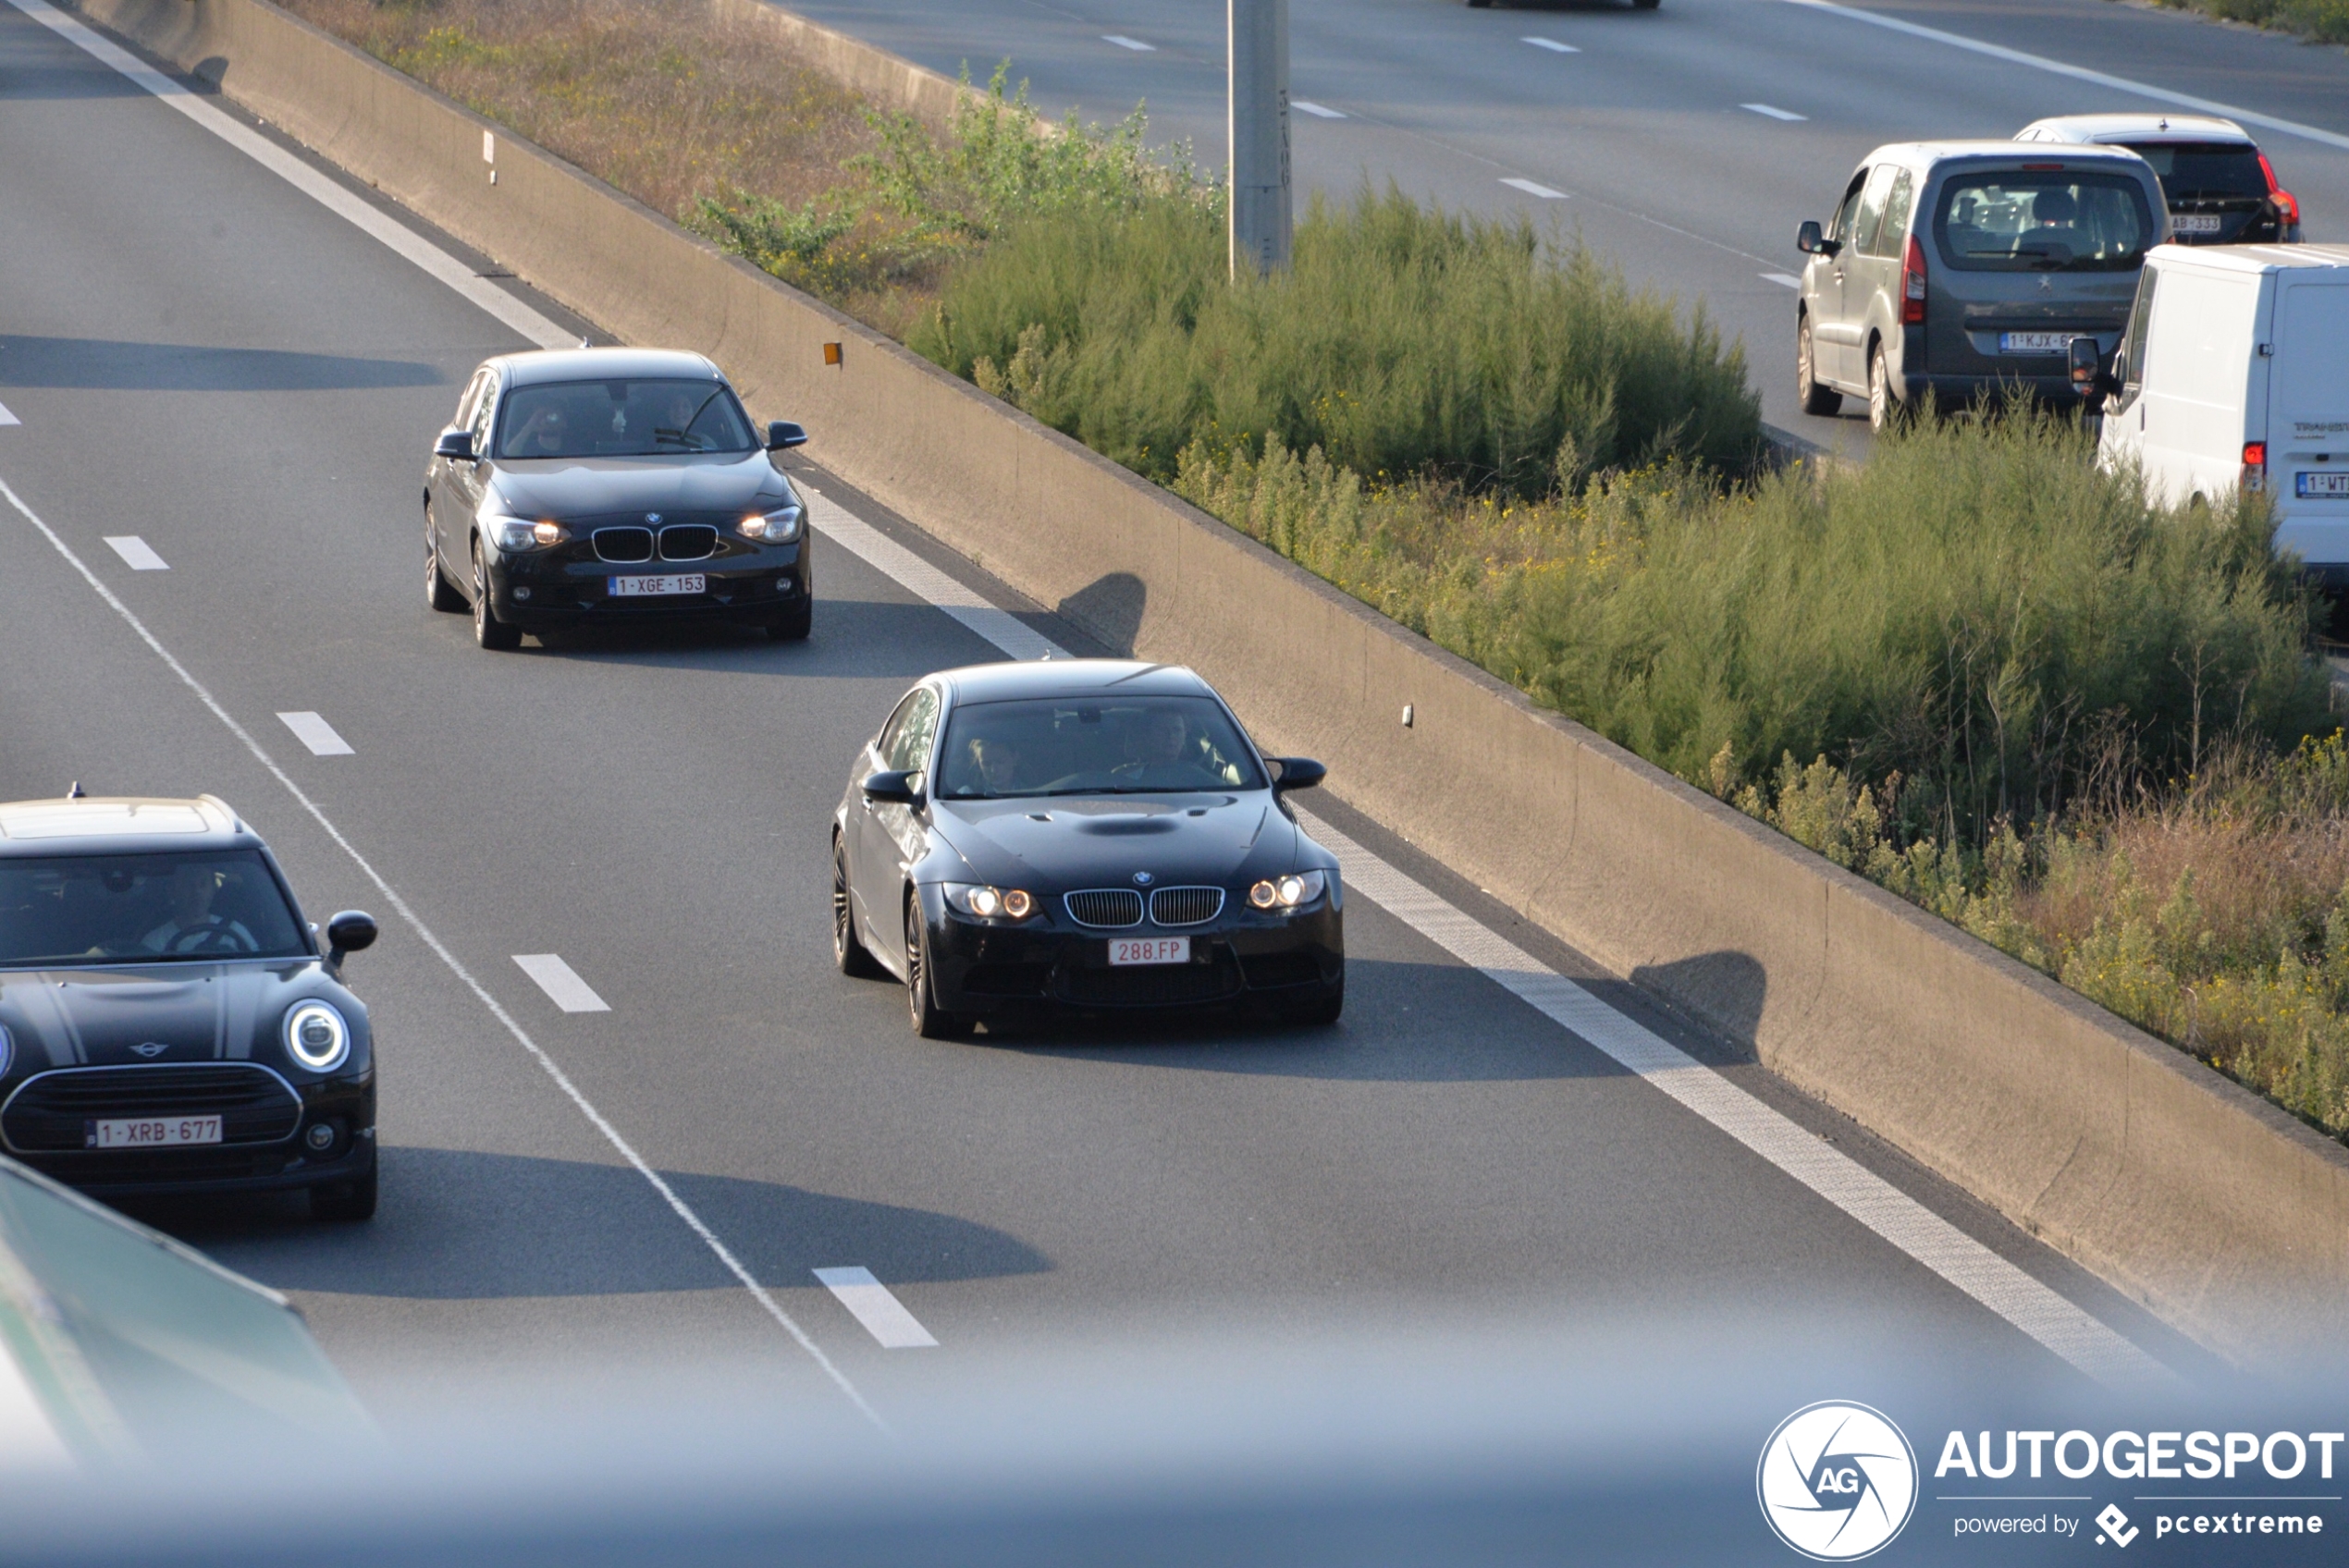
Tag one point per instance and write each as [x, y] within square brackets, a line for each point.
[2255, 465]
[1913, 284]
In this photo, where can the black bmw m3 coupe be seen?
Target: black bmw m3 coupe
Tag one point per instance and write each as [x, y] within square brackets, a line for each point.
[1088, 835]
[586, 487]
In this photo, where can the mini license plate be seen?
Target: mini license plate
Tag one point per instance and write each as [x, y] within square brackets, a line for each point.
[685, 582]
[2323, 485]
[2195, 223]
[1124, 950]
[2035, 342]
[150, 1132]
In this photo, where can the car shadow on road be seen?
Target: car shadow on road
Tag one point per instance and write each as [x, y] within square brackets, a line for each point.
[461, 1225]
[110, 364]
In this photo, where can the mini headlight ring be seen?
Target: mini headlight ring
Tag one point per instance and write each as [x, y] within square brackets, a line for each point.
[318, 1037]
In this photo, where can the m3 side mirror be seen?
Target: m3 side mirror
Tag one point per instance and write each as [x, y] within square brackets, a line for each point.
[1812, 242]
[1296, 773]
[892, 789]
[456, 446]
[348, 933]
[782, 434]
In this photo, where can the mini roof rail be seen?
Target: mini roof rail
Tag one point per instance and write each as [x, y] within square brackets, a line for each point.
[236, 824]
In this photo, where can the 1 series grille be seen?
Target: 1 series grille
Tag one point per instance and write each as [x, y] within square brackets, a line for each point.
[1107, 907]
[688, 542]
[1186, 906]
[624, 545]
[47, 1111]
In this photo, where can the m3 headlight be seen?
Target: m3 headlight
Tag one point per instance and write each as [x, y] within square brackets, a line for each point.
[777, 527]
[513, 533]
[318, 1037]
[1293, 892]
[990, 903]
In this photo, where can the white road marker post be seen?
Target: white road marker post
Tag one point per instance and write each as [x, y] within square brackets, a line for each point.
[1258, 127]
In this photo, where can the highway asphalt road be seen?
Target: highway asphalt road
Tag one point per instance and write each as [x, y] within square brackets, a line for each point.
[1686, 143]
[200, 355]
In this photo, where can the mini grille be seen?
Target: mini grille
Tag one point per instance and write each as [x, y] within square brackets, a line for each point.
[624, 543]
[1186, 906]
[47, 1111]
[688, 542]
[1106, 906]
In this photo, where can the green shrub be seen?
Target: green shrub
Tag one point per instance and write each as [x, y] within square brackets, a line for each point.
[1404, 341]
[2326, 21]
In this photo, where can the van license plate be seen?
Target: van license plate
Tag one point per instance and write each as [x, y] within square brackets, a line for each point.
[2035, 342]
[2323, 485]
[2195, 223]
[630, 587]
[1124, 950]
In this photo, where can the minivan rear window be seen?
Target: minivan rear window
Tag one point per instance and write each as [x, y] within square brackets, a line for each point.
[2059, 220]
[2205, 171]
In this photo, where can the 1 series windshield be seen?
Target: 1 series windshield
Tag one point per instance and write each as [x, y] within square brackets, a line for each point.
[1093, 745]
[621, 418]
[144, 909]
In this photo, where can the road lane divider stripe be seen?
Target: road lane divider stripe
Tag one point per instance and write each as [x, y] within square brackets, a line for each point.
[439, 949]
[1771, 111]
[1125, 42]
[871, 1303]
[1532, 189]
[8, 418]
[2080, 73]
[562, 983]
[414, 246]
[893, 560]
[317, 734]
[136, 552]
[1787, 278]
[1318, 111]
[1552, 45]
[2075, 1335]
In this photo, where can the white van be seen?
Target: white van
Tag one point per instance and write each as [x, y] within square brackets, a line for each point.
[2235, 372]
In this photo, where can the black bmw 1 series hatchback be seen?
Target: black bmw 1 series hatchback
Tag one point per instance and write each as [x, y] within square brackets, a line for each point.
[168, 1022]
[1086, 835]
[585, 487]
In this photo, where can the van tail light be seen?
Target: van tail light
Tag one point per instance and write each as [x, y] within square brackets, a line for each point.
[1913, 284]
[2287, 204]
[2255, 466]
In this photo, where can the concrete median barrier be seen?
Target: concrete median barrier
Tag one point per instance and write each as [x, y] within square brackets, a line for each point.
[2226, 1216]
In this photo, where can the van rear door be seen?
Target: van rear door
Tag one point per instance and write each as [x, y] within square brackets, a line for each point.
[2197, 367]
[2308, 424]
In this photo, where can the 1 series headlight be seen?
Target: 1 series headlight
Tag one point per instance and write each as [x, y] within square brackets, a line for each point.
[777, 527]
[515, 534]
[1288, 892]
[990, 903]
[316, 1035]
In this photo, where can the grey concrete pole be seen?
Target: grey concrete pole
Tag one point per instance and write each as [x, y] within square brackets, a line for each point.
[1259, 128]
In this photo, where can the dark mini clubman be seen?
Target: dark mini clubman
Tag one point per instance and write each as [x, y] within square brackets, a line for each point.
[1086, 835]
[585, 487]
[168, 1022]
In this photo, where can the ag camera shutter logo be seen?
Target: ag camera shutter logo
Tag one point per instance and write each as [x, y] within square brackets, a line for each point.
[1837, 1481]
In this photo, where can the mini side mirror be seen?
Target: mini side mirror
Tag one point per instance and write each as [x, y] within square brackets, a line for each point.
[456, 446]
[1811, 242]
[1297, 773]
[892, 789]
[782, 434]
[348, 933]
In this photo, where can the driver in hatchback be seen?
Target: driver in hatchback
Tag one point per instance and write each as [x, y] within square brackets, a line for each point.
[193, 927]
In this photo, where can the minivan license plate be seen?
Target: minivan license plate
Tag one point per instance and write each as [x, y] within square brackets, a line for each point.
[687, 582]
[150, 1132]
[2323, 485]
[2035, 342]
[1125, 950]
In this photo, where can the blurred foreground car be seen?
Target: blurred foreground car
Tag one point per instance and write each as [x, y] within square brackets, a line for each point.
[2220, 186]
[1081, 834]
[168, 1024]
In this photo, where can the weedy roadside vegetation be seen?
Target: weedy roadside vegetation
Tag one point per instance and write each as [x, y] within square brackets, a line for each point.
[1976, 670]
[2323, 22]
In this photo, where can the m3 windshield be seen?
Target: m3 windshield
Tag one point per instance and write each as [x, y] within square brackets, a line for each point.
[144, 909]
[1093, 745]
[2063, 220]
[620, 419]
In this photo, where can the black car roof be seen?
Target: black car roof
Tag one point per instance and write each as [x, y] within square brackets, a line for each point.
[85, 824]
[1069, 678]
[596, 364]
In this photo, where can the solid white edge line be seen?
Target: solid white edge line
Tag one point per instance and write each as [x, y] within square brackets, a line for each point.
[496, 1010]
[562, 983]
[2080, 73]
[136, 552]
[414, 246]
[1125, 42]
[318, 734]
[1533, 188]
[876, 1307]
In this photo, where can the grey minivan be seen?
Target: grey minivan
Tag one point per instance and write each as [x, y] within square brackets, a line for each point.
[1962, 268]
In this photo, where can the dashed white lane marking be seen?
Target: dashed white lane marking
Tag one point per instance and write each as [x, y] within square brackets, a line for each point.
[1786, 277]
[562, 983]
[1772, 111]
[1965, 1263]
[1125, 42]
[309, 181]
[1532, 189]
[883, 1314]
[2081, 73]
[886, 556]
[136, 552]
[1318, 111]
[1552, 45]
[8, 418]
[317, 734]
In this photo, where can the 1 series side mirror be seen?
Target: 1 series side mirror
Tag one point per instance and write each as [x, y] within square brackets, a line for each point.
[455, 445]
[892, 789]
[1296, 773]
[782, 433]
[348, 933]
[1812, 242]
